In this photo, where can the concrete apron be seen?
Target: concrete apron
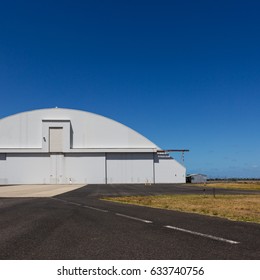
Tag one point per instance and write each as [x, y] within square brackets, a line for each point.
[36, 190]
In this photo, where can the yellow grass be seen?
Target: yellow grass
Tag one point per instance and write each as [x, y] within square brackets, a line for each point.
[234, 207]
[241, 185]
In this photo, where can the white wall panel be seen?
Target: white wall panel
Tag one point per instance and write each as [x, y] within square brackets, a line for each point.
[56, 139]
[57, 172]
[53, 169]
[3, 167]
[85, 168]
[89, 130]
[129, 168]
[25, 169]
[168, 170]
[89, 168]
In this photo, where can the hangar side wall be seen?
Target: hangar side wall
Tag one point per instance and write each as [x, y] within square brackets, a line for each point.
[168, 170]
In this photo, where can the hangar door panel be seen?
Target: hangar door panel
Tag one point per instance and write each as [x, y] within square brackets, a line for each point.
[26, 169]
[56, 143]
[83, 168]
[57, 169]
[130, 168]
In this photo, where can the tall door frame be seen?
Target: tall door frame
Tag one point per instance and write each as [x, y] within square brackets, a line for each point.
[57, 174]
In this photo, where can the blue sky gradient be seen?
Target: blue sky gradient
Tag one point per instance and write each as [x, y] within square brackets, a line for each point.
[186, 74]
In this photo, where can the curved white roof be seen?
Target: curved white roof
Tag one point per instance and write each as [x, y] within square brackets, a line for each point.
[88, 131]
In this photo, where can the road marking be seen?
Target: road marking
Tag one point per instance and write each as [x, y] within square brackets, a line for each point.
[150, 222]
[203, 235]
[73, 203]
[53, 198]
[94, 208]
[81, 205]
[134, 218]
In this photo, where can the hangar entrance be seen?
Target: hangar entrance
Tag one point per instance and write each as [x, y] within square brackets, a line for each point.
[56, 169]
[66, 168]
[55, 136]
[56, 156]
[130, 168]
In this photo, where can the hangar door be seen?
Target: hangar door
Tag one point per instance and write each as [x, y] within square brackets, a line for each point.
[56, 135]
[57, 175]
[130, 168]
[85, 168]
[77, 168]
[56, 156]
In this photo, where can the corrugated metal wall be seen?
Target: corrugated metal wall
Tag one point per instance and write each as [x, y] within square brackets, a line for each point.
[130, 168]
[168, 170]
[86, 168]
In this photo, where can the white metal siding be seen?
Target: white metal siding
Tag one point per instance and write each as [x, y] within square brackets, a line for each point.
[25, 169]
[56, 139]
[129, 168]
[198, 178]
[168, 170]
[89, 130]
[57, 175]
[85, 168]
[63, 146]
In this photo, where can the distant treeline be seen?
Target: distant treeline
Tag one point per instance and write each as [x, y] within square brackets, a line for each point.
[233, 179]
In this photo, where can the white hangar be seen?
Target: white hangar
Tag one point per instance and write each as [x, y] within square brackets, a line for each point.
[62, 146]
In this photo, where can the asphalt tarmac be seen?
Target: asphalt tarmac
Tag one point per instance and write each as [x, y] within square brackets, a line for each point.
[78, 225]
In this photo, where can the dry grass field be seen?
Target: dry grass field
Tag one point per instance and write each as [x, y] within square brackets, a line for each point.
[234, 207]
[245, 185]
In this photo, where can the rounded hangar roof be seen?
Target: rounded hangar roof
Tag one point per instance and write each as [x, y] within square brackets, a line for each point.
[88, 130]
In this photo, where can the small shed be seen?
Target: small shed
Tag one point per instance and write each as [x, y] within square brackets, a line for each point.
[196, 178]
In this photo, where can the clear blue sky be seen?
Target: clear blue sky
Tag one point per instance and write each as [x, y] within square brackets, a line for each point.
[186, 74]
